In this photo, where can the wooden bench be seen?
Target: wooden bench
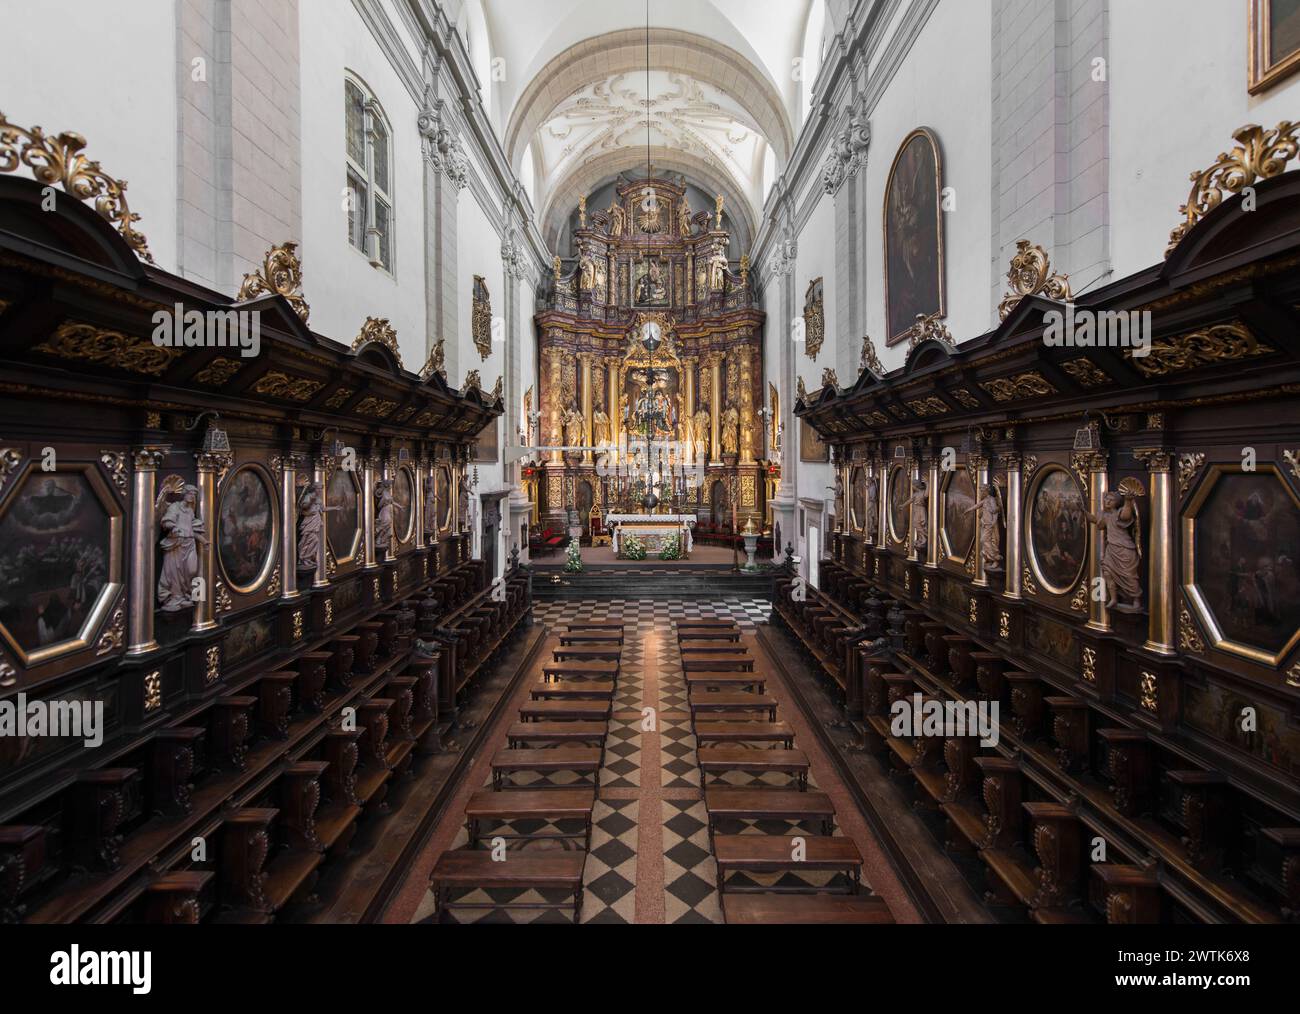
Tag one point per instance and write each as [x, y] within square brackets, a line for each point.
[557, 732]
[717, 646]
[529, 804]
[608, 637]
[768, 804]
[580, 760]
[732, 703]
[593, 653]
[580, 670]
[774, 853]
[464, 869]
[742, 661]
[703, 680]
[595, 625]
[602, 690]
[706, 624]
[565, 711]
[711, 634]
[719, 759]
[741, 909]
[745, 732]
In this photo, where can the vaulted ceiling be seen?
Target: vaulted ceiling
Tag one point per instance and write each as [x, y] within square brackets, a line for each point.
[568, 86]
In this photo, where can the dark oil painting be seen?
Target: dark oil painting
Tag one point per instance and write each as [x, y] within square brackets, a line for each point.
[913, 235]
[958, 518]
[246, 536]
[1058, 531]
[341, 525]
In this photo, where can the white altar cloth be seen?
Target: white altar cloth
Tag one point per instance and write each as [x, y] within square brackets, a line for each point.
[678, 522]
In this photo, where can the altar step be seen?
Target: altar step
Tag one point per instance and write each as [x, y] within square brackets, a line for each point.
[628, 581]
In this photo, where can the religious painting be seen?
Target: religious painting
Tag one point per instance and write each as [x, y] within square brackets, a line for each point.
[486, 448]
[246, 534]
[653, 398]
[900, 495]
[343, 519]
[442, 495]
[403, 504]
[247, 639]
[55, 559]
[858, 498]
[1246, 551]
[1216, 711]
[811, 446]
[650, 281]
[914, 265]
[1057, 530]
[958, 518]
[1274, 42]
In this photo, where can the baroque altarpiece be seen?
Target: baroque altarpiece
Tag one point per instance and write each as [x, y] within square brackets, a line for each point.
[682, 405]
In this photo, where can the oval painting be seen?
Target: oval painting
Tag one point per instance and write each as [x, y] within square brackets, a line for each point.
[899, 493]
[958, 514]
[444, 497]
[858, 498]
[403, 499]
[343, 520]
[246, 532]
[1058, 531]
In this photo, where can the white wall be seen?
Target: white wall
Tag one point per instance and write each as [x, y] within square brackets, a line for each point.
[109, 73]
[816, 258]
[339, 282]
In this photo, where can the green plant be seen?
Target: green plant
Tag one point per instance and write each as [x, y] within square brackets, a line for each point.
[672, 548]
[633, 548]
[573, 558]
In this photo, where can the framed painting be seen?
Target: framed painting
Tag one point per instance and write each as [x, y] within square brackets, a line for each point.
[343, 520]
[650, 283]
[1242, 561]
[1057, 531]
[957, 519]
[487, 447]
[246, 533]
[913, 217]
[900, 491]
[1274, 42]
[858, 498]
[811, 447]
[404, 504]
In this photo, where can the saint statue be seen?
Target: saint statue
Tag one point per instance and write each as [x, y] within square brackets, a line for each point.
[1121, 554]
[384, 502]
[920, 501]
[873, 507]
[430, 508]
[684, 218]
[617, 219]
[311, 525]
[586, 273]
[182, 533]
[702, 424]
[731, 430]
[600, 424]
[988, 513]
[573, 428]
[717, 270]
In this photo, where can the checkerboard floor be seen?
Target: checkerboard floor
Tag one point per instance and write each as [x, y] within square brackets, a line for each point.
[630, 795]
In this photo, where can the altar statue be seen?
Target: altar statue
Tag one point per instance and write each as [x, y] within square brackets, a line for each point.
[1121, 554]
[731, 430]
[586, 273]
[311, 525]
[573, 428]
[384, 502]
[684, 218]
[182, 530]
[920, 501]
[617, 219]
[873, 507]
[717, 270]
[600, 423]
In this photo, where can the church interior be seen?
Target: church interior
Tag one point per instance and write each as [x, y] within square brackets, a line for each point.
[686, 462]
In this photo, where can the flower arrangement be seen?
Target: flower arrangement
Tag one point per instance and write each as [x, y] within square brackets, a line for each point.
[633, 548]
[573, 558]
[672, 548]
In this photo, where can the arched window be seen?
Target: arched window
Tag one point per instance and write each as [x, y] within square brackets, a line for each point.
[369, 175]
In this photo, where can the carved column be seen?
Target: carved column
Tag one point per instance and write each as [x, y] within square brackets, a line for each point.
[421, 470]
[932, 518]
[144, 539]
[321, 475]
[746, 405]
[715, 408]
[584, 359]
[980, 466]
[211, 466]
[913, 473]
[1013, 463]
[551, 413]
[688, 405]
[878, 471]
[611, 402]
[368, 510]
[1160, 560]
[289, 527]
[1090, 466]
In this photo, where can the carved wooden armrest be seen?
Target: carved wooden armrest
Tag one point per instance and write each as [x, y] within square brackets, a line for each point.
[1071, 719]
[1057, 838]
[177, 754]
[1001, 791]
[245, 844]
[1126, 894]
[300, 795]
[1129, 766]
[173, 898]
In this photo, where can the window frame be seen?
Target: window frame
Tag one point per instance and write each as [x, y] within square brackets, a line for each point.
[372, 194]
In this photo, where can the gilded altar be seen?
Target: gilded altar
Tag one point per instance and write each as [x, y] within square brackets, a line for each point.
[681, 412]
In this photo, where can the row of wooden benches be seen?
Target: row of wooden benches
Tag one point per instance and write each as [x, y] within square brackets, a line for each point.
[228, 813]
[724, 685]
[1041, 848]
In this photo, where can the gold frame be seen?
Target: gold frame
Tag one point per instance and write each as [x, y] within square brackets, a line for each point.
[1035, 484]
[1261, 75]
[410, 524]
[929, 135]
[1207, 484]
[358, 537]
[444, 484]
[899, 540]
[856, 473]
[113, 586]
[273, 557]
[944, 542]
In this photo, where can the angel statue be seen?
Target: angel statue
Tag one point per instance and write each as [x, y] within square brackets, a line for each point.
[311, 525]
[1121, 555]
[873, 507]
[920, 502]
[988, 512]
[384, 502]
[182, 532]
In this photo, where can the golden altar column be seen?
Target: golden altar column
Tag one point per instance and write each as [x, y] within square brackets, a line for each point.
[686, 412]
[1013, 462]
[554, 434]
[1160, 561]
[715, 408]
[212, 466]
[584, 360]
[746, 357]
[1093, 465]
[612, 403]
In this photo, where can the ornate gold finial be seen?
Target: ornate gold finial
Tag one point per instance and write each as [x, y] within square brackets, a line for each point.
[436, 363]
[1260, 155]
[829, 379]
[378, 329]
[497, 389]
[59, 160]
[582, 212]
[281, 274]
[931, 328]
[870, 361]
[801, 391]
[1031, 274]
[472, 380]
